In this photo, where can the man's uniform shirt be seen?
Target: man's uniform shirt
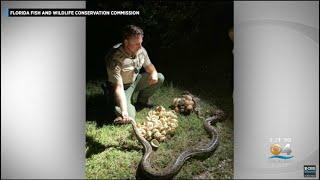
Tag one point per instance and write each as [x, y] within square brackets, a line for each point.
[122, 68]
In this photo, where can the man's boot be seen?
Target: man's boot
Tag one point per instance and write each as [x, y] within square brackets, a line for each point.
[140, 105]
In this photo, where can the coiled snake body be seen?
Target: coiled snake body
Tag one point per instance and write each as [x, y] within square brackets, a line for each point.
[170, 172]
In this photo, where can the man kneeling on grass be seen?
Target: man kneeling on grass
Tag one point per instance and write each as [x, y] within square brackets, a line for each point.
[123, 63]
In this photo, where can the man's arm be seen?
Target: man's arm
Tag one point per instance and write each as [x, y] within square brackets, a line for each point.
[114, 76]
[153, 74]
[121, 100]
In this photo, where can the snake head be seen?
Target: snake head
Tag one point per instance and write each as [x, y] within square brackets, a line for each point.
[218, 113]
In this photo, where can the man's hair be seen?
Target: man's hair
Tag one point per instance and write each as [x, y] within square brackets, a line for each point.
[131, 30]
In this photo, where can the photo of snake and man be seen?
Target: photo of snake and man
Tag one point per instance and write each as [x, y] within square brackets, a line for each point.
[159, 90]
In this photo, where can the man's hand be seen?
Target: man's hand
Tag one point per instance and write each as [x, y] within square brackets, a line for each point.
[153, 78]
[125, 116]
[153, 74]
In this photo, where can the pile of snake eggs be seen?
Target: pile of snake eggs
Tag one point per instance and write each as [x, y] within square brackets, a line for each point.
[158, 124]
[184, 105]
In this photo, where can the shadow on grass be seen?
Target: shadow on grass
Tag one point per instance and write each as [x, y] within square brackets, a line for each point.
[99, 110]
[95, 147]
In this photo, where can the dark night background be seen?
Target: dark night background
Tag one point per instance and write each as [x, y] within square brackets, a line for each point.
[186, 41]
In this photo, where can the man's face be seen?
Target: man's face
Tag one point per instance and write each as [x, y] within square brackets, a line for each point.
[133, 44]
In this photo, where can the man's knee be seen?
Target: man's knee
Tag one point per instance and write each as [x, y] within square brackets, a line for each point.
[160, 78]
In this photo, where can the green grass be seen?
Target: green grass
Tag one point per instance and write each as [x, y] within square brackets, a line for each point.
[113, 152]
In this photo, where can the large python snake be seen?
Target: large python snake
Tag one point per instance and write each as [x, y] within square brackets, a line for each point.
[149, 173]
